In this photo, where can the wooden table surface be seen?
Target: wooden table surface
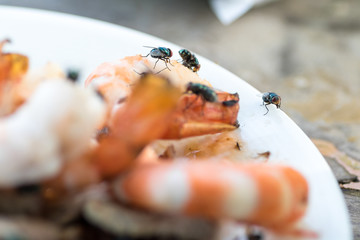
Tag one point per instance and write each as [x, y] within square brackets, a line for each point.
[307, 51]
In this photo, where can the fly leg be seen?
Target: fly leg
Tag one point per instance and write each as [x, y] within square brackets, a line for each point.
[146, 55]
[169, 62]
[156, 63]
[161, 70]
[166, 60]
[266, 108]
[189, 105]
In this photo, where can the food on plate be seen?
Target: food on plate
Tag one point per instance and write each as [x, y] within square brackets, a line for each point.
[159, 144]
[143, 118]
[193, 116]
[55, 124]
[261, 194]
[12, 65]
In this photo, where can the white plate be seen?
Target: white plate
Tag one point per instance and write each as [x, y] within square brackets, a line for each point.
[84, 43]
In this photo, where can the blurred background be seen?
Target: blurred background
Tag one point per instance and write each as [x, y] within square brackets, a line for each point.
[306, 51]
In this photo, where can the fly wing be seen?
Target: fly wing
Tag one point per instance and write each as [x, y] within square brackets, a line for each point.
[156, 53]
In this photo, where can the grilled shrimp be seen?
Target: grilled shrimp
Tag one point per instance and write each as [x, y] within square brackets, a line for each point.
[194, 116]
[142, 119]
[114, 79]
[262, 194]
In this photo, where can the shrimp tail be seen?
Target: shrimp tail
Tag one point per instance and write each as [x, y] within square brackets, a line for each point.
[190, 129]
[195, 117]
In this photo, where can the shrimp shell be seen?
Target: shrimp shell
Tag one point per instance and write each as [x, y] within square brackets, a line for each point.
[261, 194]
[143, 118]
[114, 79]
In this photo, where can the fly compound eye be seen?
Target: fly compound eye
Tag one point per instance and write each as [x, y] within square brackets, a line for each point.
[271, 98]
[170, 52]
[275, 99]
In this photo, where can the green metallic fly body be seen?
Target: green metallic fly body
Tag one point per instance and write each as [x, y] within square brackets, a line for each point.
[271, 98]
[189, 60]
